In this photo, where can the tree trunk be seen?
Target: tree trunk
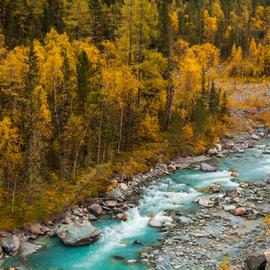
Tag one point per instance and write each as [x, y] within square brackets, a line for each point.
[169, 103]
[130, 32]
[120, 131]
[77, 152]
[140, 54]
[99, 136]
[13, 196]
[56, 108]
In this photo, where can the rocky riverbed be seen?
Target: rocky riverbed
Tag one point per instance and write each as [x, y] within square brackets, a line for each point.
[222, 215]
[234, 226]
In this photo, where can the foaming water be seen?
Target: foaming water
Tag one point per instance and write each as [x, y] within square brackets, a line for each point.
[167, 195]
[114, 237]
[174, 192]
[199, 180]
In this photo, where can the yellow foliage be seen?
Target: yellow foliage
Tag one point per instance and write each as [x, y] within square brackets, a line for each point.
[218, 12]
[210, 27]
[267, 220]
[228, 32]
[10, 144]
[187, 134]
[42, 113]
[265, 117]
[14, 69]
[207, 54]
[149, 128]
[174, 20]
[200, 146]
[225, 265]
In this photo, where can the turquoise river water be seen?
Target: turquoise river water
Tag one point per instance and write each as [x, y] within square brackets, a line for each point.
[174, 192]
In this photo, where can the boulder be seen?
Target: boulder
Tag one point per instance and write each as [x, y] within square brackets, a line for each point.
[171, 168]
[10, 244]
[255, 137]
[95, 209]
[229, 207]
[67, 220]
[27, 249]
[124, 187]
[241, 211]
[218, 147]
[159, 221]
[215, 188]
[207, 168]
[111, 203]
[207, 201]
[232, 193]
[212, 152]
[46, 229]
[122, 216]
[36, 229]
[78, 234]
[235, 174]
[267, 256]
[229, 145]
[266, 152]
[257, 261]
[116, 194]
[92, 217]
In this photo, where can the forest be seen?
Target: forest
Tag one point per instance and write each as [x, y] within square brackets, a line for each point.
[90, 89]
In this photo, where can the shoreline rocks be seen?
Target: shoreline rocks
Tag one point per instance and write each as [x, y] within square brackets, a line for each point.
[77, 235]
[160, 221]
[207, 168]
[117, 201]
[10, 244]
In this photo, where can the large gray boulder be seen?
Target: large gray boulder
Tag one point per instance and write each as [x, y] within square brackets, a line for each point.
[36, 229]
[207, 201]
[212, 152]
[258, 261]
[27, 249]
[159, 221]
[10, 244]
[78, 234]
[207, 168]
[255, 137]
[95, 209]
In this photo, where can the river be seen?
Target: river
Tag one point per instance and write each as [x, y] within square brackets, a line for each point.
[173, 192]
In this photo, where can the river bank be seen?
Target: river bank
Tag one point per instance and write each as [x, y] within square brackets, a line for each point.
[125, 196]
[230, 225]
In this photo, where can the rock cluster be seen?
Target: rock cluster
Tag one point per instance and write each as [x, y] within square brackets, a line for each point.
[237, 144]
[12, 244]
[203, 239]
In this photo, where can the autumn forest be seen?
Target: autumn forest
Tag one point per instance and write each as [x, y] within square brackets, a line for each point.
[90, 89]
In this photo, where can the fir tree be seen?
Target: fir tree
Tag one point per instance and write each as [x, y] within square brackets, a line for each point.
[53, 16]
[83, 68]
[213, 100]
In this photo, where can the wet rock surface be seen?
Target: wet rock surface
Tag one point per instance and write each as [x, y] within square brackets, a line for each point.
[10, 244]
[78, 234]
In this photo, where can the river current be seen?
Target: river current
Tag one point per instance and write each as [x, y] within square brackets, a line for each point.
[174, 192]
